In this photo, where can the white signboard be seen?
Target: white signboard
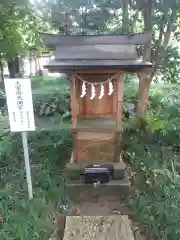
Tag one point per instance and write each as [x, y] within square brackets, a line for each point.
[20, 105]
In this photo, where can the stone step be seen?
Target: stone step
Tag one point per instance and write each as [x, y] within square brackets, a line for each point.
[98, 228]
[74, 171]
[78, 191]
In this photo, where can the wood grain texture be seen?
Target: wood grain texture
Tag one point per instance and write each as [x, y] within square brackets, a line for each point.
[67, 66]
[97, 51]
[119, 113]
[96, 107]
[97, 123]
[74, 150]
[119, 108]
[73, 100]
[74, 112]
[98, 228]
[94, 147]
[108, 70]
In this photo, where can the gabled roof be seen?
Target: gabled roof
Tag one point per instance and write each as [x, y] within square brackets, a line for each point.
[79, 52]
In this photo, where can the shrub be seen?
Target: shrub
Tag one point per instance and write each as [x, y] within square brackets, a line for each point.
[156, 200]
[47, 105]
[24, 219]
[51, 97]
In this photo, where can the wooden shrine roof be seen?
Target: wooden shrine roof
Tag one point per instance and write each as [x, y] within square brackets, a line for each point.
[79, 52]
[136, 38]
[65, 65]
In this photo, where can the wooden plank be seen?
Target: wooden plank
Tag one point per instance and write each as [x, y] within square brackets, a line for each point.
[96, 107]
[119, 113]
[99, 71]
[73, 111]
[98, 228]
[100, 52]
[95, 136]
[98, 130]
[90, 105]
[114, 96]
[97, 123]
[92, 65]
[75, 146]
[107, 116]
[136, 38]
[80, 64]
[104, 105]
[108, 70]
[95, 147]
[73, 100]
[119, 108]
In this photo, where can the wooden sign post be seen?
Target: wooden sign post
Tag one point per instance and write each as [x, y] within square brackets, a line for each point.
[21, 116]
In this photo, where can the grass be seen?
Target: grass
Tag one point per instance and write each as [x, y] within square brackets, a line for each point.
[24, 219]
[48, 85]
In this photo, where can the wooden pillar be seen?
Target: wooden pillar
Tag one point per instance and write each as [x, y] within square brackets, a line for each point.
[119, 113]
[73, 101]
[74, 114]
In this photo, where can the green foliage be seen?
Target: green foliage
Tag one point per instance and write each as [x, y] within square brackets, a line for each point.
[153, 155]
[24, 219]
[12, 15]
[51, 96]
[47, 105]
[169, 67]
[156, 204]
[19, 28]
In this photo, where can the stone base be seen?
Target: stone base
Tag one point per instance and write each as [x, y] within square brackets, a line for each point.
[74, 171]
[78, 191]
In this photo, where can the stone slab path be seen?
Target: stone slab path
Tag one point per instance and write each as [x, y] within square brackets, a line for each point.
[98, 228]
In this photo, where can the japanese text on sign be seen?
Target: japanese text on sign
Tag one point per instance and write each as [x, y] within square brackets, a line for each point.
[20, 107]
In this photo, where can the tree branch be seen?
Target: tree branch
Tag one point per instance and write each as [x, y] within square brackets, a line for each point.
[132, 4]
[161, 31]
[167, 35]
[147, 13]
[125, 20]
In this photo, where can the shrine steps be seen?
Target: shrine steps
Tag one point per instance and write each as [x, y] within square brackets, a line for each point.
[78, 191]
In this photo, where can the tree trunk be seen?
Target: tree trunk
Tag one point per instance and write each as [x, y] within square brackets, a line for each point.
[163, 42]
[145, 78]
[21, 67]
[13, 67]
[143, 93]
[39, 72]
[30, 67]
[125, 20]
[39, 66]
[1, 74]
[36, 65]
[49, 56]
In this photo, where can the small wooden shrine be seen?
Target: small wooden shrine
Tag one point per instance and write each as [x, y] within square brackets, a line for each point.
[96, 66]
